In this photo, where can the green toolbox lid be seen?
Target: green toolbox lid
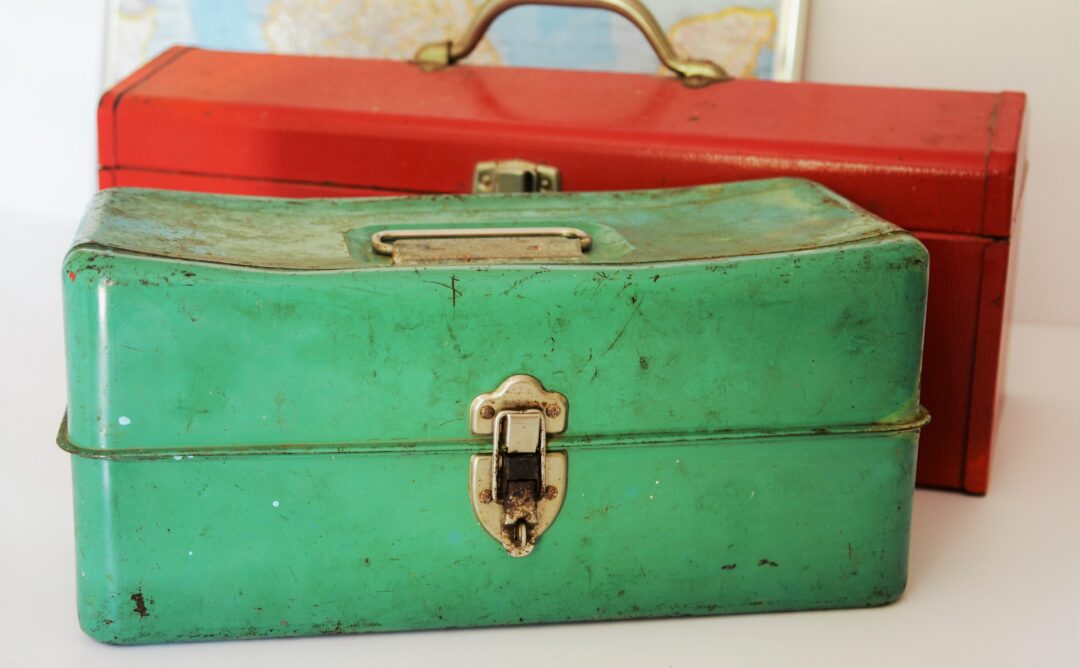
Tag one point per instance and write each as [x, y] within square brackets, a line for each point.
[205, 324]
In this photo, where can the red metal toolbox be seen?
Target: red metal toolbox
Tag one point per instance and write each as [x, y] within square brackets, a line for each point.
[947, 165]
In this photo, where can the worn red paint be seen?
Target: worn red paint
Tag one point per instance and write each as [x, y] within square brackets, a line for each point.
[947, 165]
[71, 275]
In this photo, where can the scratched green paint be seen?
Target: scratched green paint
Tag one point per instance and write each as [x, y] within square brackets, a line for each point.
[271, 422]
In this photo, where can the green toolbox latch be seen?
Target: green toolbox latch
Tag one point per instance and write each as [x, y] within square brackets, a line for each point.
[518, 490]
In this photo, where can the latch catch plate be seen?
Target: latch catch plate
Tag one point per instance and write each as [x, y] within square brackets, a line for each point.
[518, 392]
[515, 176]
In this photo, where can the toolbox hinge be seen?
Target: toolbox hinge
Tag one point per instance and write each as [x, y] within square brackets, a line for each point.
[515, 176]
[519, 488]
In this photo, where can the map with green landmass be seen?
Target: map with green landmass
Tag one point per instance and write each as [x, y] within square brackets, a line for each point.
[741, 37]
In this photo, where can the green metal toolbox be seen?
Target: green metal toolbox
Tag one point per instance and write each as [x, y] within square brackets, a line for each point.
[294, 417]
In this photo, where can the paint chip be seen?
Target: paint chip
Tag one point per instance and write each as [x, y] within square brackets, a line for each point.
[275, 504]
[190, 552]
[177, 457]
[124, 420]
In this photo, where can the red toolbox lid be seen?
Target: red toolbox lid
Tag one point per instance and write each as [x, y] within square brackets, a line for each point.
[927, 160]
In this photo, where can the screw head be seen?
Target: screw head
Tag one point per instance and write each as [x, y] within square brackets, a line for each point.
[487, 412]
[552, 411]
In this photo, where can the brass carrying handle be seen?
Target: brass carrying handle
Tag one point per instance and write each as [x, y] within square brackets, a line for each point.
[693, 72]
[383, 242]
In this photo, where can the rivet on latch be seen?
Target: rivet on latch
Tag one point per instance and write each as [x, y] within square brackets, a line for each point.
[518, 490]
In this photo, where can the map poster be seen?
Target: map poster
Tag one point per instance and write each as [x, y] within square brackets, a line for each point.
[750, 38]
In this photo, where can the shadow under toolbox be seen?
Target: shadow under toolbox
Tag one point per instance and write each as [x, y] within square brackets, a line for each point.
[297, 417]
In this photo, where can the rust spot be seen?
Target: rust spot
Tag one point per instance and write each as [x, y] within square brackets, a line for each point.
[551, 492]
[108, 622]
[140, 605]
[656, 278]
[71, 275]
[766, 562]
[485, 497]
[728, 567]
[643, 363]
[832, 202]
[284, 622]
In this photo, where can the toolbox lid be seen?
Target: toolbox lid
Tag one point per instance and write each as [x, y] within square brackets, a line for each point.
[713, 222]
[201, 324]
[928, 160]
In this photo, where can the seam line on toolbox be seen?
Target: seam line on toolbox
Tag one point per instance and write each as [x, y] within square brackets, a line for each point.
[920, 419]
[972, 369]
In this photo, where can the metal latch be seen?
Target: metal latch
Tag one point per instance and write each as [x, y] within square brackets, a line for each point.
[515, 176]
[518, 490]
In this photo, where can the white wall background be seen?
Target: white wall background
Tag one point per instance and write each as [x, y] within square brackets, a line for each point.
[1031, 46]
[50, 68]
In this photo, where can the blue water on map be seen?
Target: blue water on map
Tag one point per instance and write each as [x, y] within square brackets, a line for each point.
[229, 24]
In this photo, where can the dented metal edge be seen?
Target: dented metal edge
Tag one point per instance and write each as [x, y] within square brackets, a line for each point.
[918, 421]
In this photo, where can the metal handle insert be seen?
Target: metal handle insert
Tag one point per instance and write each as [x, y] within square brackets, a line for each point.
[693, 72]
[383, 242]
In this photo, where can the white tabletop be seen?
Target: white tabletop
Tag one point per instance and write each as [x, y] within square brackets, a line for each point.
[994, 581]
